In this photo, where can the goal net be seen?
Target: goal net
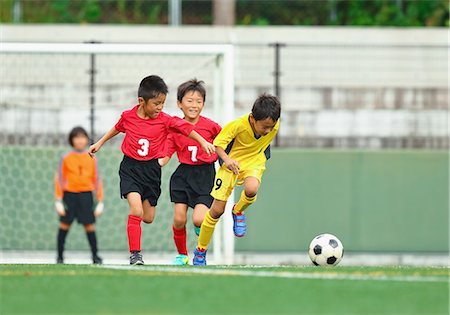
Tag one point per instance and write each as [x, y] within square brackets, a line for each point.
[48, 88]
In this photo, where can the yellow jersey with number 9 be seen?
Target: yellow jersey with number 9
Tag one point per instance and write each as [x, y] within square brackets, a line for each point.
[241, 144]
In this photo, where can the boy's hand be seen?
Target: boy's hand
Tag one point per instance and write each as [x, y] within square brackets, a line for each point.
[163, 161]
[99, 209]
[94, 149]
[209, 148]
[59, 206]
[232, 165]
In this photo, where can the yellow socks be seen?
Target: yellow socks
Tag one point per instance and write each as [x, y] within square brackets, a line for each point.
[206, 231]
[243, 203]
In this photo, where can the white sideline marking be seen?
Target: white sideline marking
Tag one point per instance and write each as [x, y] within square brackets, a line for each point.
[276, 274]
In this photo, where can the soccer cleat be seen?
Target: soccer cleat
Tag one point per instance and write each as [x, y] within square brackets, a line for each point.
[136, 258]
[60, 260]
[197, 230]
[96, 260]
[239, 224]
[199, 257]
[181, 260]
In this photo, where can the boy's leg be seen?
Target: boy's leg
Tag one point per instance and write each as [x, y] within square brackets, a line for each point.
[248, 195]
[179, 227]
[92, 239]
[198, 215]
[62, 234]
[209, 223]
[206, 231]
[148, 212]
[134, 229]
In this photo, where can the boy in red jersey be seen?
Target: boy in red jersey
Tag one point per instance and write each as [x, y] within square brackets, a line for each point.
[146, 129]
[193, 180]
[75, 181]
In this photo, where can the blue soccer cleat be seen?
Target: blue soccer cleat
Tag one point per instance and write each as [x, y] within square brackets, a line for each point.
[239, 224]
[197, 230]
[181, 260]
[199, 257]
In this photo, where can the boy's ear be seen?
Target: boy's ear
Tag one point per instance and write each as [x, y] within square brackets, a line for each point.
[141, 100]
[252, 118]
[178, 104]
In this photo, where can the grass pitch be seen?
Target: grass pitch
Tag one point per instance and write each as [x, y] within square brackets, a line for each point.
[85, 289]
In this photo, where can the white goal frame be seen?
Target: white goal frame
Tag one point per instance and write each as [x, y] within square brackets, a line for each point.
[223, 252]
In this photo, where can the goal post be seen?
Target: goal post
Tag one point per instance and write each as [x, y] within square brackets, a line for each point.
[45, 79]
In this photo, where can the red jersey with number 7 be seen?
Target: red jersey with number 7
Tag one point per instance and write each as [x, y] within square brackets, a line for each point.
[188, 150]
[145, 139]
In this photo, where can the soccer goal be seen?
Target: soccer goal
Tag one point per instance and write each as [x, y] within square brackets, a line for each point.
[48, 88]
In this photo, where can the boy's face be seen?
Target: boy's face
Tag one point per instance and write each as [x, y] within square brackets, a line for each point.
[153, 106]
[262, 127]
[80, 142]
[191, 104]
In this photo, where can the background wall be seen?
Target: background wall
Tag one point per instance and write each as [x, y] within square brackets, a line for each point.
[391, 201]
[395, 201]
[340, 87]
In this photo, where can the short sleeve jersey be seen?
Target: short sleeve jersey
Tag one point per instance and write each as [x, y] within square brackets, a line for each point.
[145, 138]
[239, 141]
[188, 150]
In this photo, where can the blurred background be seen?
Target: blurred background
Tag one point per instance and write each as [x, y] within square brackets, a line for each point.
[362, 152]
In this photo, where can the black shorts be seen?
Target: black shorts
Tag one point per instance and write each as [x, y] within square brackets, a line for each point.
[143, 177]
[80, 206]
[192, 184]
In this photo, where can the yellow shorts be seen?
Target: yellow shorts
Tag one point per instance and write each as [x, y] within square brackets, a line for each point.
[226, 180]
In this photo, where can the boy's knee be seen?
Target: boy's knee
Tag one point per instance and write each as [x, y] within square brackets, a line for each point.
[89, 227]
[64, 226]
[179, 222]
[197, 221]
[251, 191]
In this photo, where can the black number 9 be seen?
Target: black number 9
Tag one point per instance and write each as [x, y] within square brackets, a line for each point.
[218, 184]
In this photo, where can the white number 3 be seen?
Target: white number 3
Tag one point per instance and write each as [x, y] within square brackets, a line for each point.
[143, 151]
[193, 149]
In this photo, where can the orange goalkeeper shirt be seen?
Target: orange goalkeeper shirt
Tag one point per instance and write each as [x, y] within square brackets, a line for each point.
[78, 172]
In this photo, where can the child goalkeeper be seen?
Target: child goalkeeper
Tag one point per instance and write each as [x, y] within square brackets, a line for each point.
[75, 181]
[244, 147]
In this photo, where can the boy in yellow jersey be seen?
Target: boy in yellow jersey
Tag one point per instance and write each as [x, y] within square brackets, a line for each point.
[244, 147]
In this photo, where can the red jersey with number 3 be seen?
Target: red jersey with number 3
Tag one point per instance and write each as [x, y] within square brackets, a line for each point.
[145, 139]
[188, 150]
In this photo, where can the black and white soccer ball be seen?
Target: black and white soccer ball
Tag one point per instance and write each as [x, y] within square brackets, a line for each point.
[326, 250]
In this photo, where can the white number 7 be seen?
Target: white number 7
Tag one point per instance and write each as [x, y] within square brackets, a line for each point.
[143, 151]
[193, 149]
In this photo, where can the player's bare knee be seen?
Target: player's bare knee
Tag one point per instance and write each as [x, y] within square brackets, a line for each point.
[148, 220]
[251, 191]
[64, 226]
[179, 222]
[197, 221]
[89, 227]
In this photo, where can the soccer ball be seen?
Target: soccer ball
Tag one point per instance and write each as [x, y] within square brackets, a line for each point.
[326, 250]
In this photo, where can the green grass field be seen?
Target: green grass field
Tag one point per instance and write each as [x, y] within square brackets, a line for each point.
[85, 289]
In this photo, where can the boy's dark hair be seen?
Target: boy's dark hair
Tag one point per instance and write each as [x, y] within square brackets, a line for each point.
[151, 87]
[266, 106]
[75, 132]
[191, 86]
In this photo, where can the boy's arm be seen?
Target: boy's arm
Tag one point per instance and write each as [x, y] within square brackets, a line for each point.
[223, 139]
[96, 146]
[209, 148]
[169, 150]
[59, 206]
[231, 164]
[179, 125]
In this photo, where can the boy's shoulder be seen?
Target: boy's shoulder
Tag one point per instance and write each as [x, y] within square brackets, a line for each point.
[131, 110]
[207, 121]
